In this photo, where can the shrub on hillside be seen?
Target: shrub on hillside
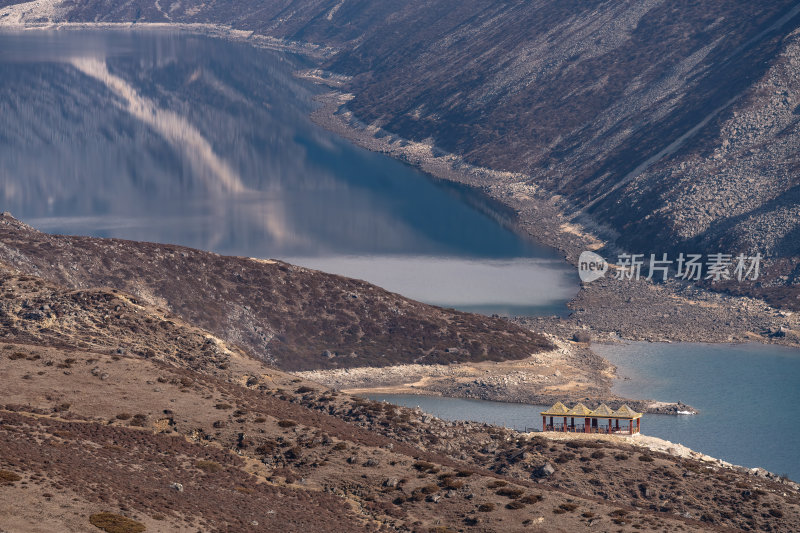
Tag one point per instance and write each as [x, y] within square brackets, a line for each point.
[7, 477]
[139, 420]
[208, 467]
[510, 492]
[452, 484]
[114, 523]
[582, 336]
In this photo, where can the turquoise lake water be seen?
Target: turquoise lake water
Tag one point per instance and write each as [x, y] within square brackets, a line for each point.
[746, 395]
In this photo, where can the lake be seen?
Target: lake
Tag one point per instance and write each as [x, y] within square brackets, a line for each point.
[168, 137]
[511, 415]
[746, 394]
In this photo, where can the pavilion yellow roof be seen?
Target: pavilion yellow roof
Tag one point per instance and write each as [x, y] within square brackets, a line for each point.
[580, 410]
[626, 412]
[558, 409]
[603, 411]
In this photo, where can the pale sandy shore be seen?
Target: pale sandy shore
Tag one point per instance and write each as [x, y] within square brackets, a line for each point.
[570, 372]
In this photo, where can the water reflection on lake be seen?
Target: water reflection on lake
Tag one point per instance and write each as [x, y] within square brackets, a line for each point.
[175, 138]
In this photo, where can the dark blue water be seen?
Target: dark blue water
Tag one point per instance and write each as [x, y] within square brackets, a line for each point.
[747, 396]
[183, 139]
[511, 415]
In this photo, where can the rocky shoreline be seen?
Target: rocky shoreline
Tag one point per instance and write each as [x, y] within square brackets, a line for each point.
[607, 310]
[570, 373]
[635, 310]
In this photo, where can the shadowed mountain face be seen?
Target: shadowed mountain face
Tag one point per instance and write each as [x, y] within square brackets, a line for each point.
[670, 122]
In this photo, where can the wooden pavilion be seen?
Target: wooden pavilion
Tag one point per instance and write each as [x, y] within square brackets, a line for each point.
[592, 420]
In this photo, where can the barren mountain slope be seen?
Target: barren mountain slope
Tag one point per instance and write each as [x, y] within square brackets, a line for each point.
[292, 317]
[186, 436]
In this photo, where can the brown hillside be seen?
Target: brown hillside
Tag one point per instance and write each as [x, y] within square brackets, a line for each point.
[182, 436]
[292, 317]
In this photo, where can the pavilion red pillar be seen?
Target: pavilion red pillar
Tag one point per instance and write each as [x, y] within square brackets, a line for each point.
[544, 423]
[587, 425]
[630, 426]
[564, 427]
[616, 424]
[638, 426]
[609, 425]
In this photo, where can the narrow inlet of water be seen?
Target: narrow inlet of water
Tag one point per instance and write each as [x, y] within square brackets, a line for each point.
[175, 138]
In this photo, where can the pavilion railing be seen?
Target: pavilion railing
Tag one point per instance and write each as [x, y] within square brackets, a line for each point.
[581, 428]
